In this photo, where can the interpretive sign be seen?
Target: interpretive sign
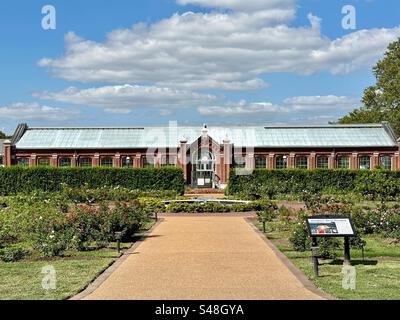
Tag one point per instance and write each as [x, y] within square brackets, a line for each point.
[329, 226]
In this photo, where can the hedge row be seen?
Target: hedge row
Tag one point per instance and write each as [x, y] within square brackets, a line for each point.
[24, 180]
[375, 184]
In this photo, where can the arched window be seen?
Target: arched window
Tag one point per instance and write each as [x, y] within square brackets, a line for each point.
[85, 162]
[148, 161]
[343, 162]
[261, 162]
[24, 162]
[302, 162]
[64, 162]
[43, 162]
[386, 162]
[240, 162]
[365, 163]
[281, 162]
[168, 161]
[322, 162]
[106, 162]
[127, 161]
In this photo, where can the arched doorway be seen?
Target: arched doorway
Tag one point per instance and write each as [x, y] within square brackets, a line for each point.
[204, 166]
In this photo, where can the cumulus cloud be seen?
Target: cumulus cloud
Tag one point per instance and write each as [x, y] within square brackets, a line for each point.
[309, 106]
[122, 99]
[241, 108]
[35, 111]
[219, 50]
[321, 103]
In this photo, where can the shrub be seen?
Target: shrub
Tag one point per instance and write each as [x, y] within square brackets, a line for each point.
[299, 238]
[12, 253]
[216, 207]
[375, 184]
[26, 179]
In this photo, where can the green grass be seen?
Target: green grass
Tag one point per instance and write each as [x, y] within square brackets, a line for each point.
[22, 280]
[378, 277]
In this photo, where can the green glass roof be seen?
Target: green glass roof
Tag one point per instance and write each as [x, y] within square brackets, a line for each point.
[379, 135]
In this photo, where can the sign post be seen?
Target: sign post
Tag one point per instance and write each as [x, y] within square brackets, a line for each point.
[330, 226]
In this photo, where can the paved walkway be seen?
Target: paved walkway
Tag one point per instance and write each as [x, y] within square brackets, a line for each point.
[198, 257]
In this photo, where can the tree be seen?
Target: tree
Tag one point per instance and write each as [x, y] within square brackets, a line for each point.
[382, 100]
[3, 135]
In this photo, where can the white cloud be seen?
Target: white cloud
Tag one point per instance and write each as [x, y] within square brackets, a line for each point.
[321, 103]
[311, 107]
[241, 108]
[122, 99]
[217, 50]
[34, 111]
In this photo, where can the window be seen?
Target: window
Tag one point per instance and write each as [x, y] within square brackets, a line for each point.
[281, 162]
[148, 161]
[240, 162]
[386, 162]
[85, 162]
[43, 162]
[322, 162]
[127, 161]
[168, 161]
[365, 163]
[343, 162]
[106, 162]
[302, 163]
[24, 162]
[64, 162]
[261, 162]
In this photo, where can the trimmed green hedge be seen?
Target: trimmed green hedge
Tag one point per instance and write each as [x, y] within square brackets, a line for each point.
[375, 184]
[26, 179]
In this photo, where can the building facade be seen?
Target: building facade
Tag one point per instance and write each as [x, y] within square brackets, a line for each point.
[207, 155]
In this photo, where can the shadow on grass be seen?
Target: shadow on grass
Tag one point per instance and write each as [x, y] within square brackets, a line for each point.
[355, 262]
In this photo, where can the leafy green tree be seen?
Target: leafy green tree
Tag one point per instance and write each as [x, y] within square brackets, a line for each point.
[3, 135]
[382, 100]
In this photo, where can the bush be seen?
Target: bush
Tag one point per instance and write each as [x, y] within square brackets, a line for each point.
[299, 238]
[216, 207]
[262, 183]
[26, 179]
[12, 253]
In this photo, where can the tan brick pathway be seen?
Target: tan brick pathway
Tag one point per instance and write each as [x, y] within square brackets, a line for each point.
[199, 257]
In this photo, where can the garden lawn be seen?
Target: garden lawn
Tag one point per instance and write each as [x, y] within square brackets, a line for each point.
[22, 280]
[377, 277]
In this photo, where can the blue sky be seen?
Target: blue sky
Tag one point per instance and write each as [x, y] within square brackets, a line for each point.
[229, 62]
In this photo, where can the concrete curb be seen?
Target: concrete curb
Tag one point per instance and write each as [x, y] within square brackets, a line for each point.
[308, 284]
[114, 266]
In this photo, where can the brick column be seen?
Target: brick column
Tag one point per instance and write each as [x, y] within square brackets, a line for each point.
[96, 160]
[270, 161]
[227, 159]
[331, 161]
[7, 153]
[117, 160]
[396, 161]
[292, 161]
[182, 158]
[250, 161]
[375, 160]
[137, 162]
[313, 161]
[54, 160]
[33, 160]
[354, 161]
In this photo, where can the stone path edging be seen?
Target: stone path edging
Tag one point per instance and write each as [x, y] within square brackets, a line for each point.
[308, 284]
[114, 266]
